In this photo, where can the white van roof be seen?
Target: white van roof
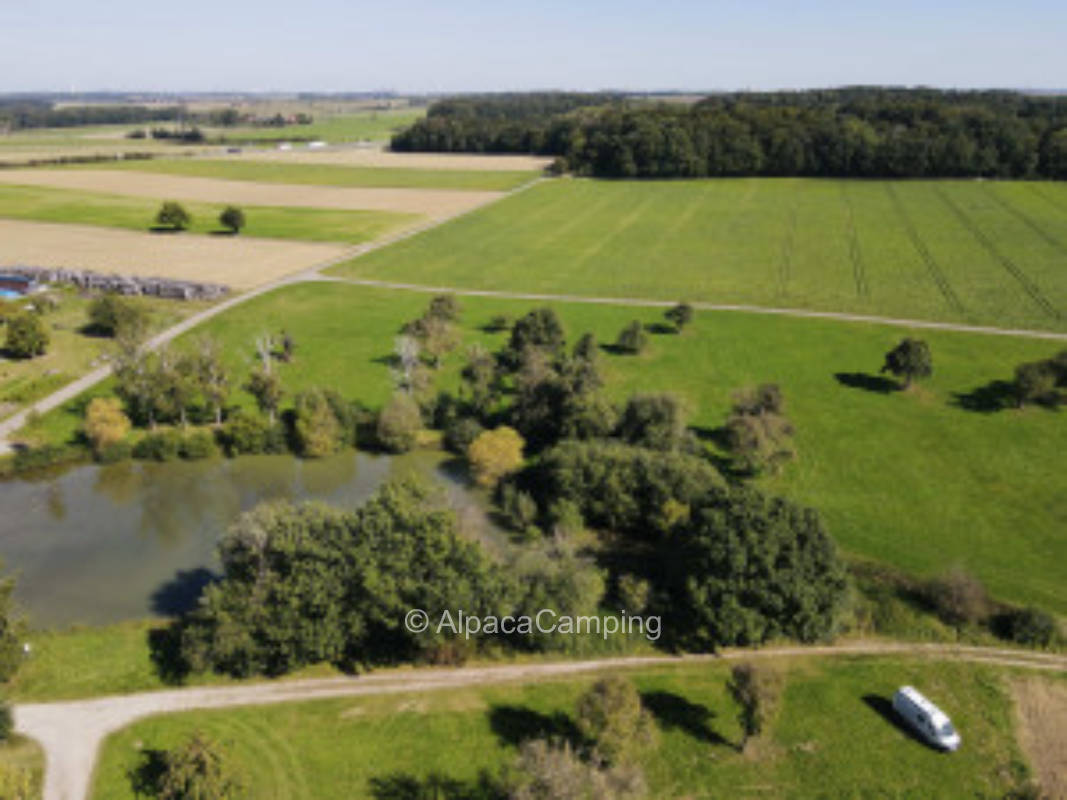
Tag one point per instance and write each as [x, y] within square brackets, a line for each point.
[936, 715]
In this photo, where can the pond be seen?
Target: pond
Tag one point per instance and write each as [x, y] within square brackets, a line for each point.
[99, 544]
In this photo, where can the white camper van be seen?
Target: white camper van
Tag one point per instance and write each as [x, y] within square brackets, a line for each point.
[926, 719]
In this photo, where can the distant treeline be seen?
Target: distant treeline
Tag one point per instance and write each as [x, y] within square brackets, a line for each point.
[851, 132]
[22, 113]
[39, 114]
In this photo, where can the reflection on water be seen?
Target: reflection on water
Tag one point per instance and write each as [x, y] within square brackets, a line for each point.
[104, 543]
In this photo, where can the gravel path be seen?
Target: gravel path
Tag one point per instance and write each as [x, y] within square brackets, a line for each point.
[637, 302]
[71, 732]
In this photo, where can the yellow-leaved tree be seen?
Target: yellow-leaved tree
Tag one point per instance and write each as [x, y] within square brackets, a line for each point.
[105, 422]
[494, 454]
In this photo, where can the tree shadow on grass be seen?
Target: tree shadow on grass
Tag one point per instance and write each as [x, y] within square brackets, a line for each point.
[164, 647]
[145, 778]
[674, 711]
[660, 328]
[180, 593]
[403, 786]
[514, 725]
[883, 706]
[868, 383]
[1000, 396]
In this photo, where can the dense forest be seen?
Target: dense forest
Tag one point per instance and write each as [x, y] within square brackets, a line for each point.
[851, 132]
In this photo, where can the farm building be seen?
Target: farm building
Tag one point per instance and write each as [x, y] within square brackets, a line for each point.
[17, 285]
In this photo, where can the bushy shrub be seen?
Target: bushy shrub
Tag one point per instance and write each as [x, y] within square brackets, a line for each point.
[317, 430]
[657, 421]
[244, 434]
[959, 598]
[1030, 626]
[114, 452]
[105, 423]
[622, 488]
[34, 459]
[460, 433]
[164, 445]
[755, 689]
[27, 336]
[399, 424]
[518, 508]
[117, 316]
[198, 444]
[610, 714]
[495, 454]
[632, 339]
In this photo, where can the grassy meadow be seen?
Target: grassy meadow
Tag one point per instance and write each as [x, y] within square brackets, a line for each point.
[327, 174]
[918, 479]
[965, 251]
[366, 747]
[42, 204]
[72, 351]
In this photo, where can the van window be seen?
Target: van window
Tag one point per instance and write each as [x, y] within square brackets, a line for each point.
[947, 729]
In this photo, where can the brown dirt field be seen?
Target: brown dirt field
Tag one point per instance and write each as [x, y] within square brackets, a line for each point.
[380, 157]
[434, 203]
[240, 262]
[1041, 709]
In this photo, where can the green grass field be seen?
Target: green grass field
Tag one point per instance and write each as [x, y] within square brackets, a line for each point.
[966, 251]
[327, 174]
[828, 740]
[913, 478]
[138, 214]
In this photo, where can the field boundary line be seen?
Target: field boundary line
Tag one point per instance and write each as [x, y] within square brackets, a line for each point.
[637, 302]
[1013, 269]
[71, 732]
[927, 257]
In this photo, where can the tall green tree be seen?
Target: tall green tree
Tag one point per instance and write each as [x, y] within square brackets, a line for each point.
[910, 359]
[27, 336]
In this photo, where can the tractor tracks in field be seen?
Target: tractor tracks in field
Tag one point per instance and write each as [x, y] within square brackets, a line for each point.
[71, 732]
[855, 254]
[1009, 265]
[932, 267]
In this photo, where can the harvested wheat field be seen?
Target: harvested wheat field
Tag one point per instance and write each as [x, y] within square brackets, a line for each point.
[239, 262]
[1041, 706]
[434, 203]
[381, 157]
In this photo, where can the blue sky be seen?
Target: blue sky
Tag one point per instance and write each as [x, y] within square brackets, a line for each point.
[421, 45]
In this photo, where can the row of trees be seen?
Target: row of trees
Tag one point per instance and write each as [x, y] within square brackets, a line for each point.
[857, 132]
[173, 216]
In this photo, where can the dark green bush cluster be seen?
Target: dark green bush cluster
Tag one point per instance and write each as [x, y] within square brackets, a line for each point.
[172, 444]
[306, 584]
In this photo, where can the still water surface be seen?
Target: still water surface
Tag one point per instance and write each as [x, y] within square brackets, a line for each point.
[99, 544]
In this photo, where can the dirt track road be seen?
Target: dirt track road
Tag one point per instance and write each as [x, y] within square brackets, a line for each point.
[71, 732]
